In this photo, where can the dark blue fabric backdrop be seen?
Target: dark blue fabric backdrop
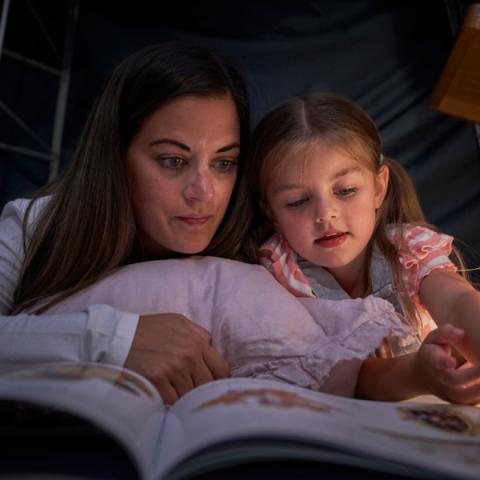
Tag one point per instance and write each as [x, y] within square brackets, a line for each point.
[386, 55]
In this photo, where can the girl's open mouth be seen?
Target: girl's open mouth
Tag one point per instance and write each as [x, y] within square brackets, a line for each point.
[331, 241]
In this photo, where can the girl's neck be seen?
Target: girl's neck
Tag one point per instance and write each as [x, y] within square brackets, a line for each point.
[355, 287]
[353, 278]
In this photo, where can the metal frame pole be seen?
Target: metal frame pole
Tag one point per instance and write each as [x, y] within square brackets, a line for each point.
[3, 23]
[64, 84]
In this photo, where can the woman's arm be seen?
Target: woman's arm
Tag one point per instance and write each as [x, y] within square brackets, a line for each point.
[168, 349]
[98, 334]
[11, 250]
[451, 299]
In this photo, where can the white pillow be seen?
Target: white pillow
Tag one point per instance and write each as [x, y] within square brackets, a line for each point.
[257, 325]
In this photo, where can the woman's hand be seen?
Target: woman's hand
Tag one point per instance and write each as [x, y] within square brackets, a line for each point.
[437, 370]
[174, 354]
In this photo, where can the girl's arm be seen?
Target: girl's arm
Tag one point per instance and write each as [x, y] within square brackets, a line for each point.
[450, 298]
[430, 370]
[388, 379]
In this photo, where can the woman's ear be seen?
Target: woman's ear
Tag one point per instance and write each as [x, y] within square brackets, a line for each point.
[381, 185]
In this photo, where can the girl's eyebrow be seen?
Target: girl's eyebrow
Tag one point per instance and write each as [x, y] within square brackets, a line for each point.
[345, 171]
[287, 186]
[294, 186]
[186, 148]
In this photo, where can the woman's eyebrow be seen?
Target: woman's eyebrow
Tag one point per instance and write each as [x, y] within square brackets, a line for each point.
[170, 141]
[186, 148]
[228, 147]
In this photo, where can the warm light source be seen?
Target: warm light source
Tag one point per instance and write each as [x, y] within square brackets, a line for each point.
[457, 92]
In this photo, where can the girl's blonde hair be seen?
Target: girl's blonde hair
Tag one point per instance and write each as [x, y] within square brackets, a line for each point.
[87, 229]
[342, 124]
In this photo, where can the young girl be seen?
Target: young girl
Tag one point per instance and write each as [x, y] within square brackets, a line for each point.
[339, 220]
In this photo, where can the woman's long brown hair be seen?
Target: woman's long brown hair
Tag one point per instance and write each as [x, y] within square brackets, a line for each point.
[87, 229]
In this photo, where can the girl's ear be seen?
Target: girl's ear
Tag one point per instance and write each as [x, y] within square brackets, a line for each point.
[265, 207]
[381, 185]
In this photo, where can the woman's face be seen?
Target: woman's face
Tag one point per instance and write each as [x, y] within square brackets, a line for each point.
[182, 167]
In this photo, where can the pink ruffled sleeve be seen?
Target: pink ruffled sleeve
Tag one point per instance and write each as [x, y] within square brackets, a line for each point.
[280, 260]
[421, 251]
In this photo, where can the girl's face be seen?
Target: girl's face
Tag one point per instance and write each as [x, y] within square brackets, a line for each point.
[182, 167]
[325, 207]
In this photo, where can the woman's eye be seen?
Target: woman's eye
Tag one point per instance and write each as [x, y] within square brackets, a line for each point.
[225, 165]
[173, 163]
[297, 203]
[346, 192]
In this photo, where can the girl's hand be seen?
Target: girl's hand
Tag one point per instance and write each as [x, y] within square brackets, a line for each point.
[436, 368]
[450, 299]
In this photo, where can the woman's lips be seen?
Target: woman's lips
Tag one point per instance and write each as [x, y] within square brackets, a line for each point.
[331, 241]
[195, 220]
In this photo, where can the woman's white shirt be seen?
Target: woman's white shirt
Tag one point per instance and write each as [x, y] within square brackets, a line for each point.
[100, 333]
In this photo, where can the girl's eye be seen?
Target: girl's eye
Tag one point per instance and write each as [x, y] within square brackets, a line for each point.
[173, 163]
[346, 192]
[225, 165]
[297, 203]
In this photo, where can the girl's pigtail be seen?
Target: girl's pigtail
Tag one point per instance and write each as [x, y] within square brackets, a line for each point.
[401, 203]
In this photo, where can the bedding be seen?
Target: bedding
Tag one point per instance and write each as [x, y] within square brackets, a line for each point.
[256, 324]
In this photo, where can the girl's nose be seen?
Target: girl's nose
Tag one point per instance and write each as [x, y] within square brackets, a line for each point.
[200, 187]
[326, 210]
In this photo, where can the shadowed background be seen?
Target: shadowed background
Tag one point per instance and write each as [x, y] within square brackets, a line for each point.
[385, 55]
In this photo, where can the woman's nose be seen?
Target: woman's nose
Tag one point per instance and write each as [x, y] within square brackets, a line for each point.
[200, 187]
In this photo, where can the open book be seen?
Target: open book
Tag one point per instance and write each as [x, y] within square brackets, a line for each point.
[240, 421]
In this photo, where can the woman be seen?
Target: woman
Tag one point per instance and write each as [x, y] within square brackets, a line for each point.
[157, 174]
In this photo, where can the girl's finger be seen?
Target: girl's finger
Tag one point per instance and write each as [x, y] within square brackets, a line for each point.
[467, 395]
[439, 357]
[462, 376]
[445, 334]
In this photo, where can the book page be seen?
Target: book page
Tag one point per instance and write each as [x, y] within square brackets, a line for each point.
[119, 401]
[434, 437]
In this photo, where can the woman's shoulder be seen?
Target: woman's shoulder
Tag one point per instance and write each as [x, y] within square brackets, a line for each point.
[17, 208]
